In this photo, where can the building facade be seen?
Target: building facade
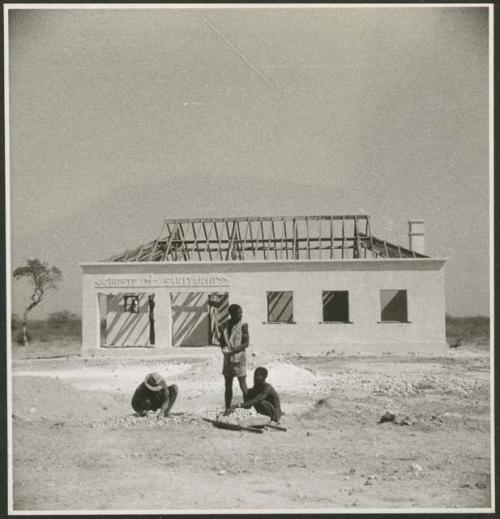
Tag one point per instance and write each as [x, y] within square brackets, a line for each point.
[306, 284]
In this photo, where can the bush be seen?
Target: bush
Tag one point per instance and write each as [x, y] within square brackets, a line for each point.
[63, 318]
[15, 321]
[469, 329]
[19, 337]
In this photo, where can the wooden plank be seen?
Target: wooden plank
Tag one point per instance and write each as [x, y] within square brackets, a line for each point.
[307, 236]
[274, 239]
[284, 244]
[237, 245]
[139, 252]
[218, 239]
[343, 237]
[356, 252]
[195, 236]
[275, 426]
[245, 240]
[265, 218]
[159, 238]
[369, 232]
[185, 250]
[268, 244]
[207, 238]
[295, 237]
[231, 241]
[251, 237]
[232, 427]
[263, 238]
[331, 238]
[170, 239]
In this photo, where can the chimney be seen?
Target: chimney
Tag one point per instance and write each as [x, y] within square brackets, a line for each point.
[416, 235]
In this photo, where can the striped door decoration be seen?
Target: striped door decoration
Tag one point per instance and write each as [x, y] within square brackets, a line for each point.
[127, 320]
[190, 321]
[218, 305]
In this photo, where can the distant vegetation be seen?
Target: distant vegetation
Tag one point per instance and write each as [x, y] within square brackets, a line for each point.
[41, 278]
[65, 325]
[468, 329]
[58, 326]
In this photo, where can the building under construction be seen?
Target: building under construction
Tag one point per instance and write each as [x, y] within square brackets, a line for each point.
[306, 284]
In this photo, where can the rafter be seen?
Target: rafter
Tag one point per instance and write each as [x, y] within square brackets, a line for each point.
[268, 238]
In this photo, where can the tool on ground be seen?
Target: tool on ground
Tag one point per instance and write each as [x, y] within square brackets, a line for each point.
[232, 427]
[274, 426]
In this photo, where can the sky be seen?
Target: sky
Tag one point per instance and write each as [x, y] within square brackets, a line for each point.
[120, 118]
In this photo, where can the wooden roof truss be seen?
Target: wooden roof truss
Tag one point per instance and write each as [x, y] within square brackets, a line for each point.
[265, 238]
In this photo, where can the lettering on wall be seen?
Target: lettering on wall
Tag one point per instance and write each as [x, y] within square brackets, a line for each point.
[153, 280]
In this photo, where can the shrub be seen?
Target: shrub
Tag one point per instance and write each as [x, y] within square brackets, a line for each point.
[19, 337]
[63, 318]
[469, 329]
[15, 321]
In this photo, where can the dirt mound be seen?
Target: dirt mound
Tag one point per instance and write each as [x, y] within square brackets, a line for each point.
[39, 397]
[291, 378]
[323, 409]
[109, 378]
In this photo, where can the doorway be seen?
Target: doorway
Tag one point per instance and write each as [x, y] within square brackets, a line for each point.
[126, 320]
[196, 317]
[218, 304]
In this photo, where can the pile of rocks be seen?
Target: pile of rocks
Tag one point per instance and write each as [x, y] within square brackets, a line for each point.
[238, 416]
[151, 420]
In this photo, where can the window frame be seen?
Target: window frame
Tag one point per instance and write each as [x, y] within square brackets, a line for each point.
[129, 304]
[392, 321]
[348, 320]
[268, 293]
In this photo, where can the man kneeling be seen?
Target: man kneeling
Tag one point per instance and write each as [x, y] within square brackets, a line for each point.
[262, 396]
[154, 395]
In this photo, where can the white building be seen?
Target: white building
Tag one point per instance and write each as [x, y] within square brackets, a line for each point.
[306, 284]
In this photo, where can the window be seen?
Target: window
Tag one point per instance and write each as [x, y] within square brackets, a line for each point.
[335, 306]
[393, 306]
[280, 307]
[131, 304]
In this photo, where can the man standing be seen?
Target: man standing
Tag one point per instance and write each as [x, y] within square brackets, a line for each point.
[262, 396]
[154, 395]
[234, 339]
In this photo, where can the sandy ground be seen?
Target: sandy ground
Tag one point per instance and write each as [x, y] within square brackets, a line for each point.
[77, 445]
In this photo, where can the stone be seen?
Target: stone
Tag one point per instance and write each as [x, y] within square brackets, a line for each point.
[415, 467]
[370, 479]
[221, 472]
[387, 417]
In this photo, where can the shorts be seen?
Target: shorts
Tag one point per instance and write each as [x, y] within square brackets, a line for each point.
[234, 369]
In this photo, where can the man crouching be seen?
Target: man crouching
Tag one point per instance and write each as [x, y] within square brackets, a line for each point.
[262, 396]
[154, 395]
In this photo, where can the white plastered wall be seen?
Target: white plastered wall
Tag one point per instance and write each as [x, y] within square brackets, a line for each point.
[248, 282]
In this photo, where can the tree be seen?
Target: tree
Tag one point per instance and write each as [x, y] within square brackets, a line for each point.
[42, 278]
